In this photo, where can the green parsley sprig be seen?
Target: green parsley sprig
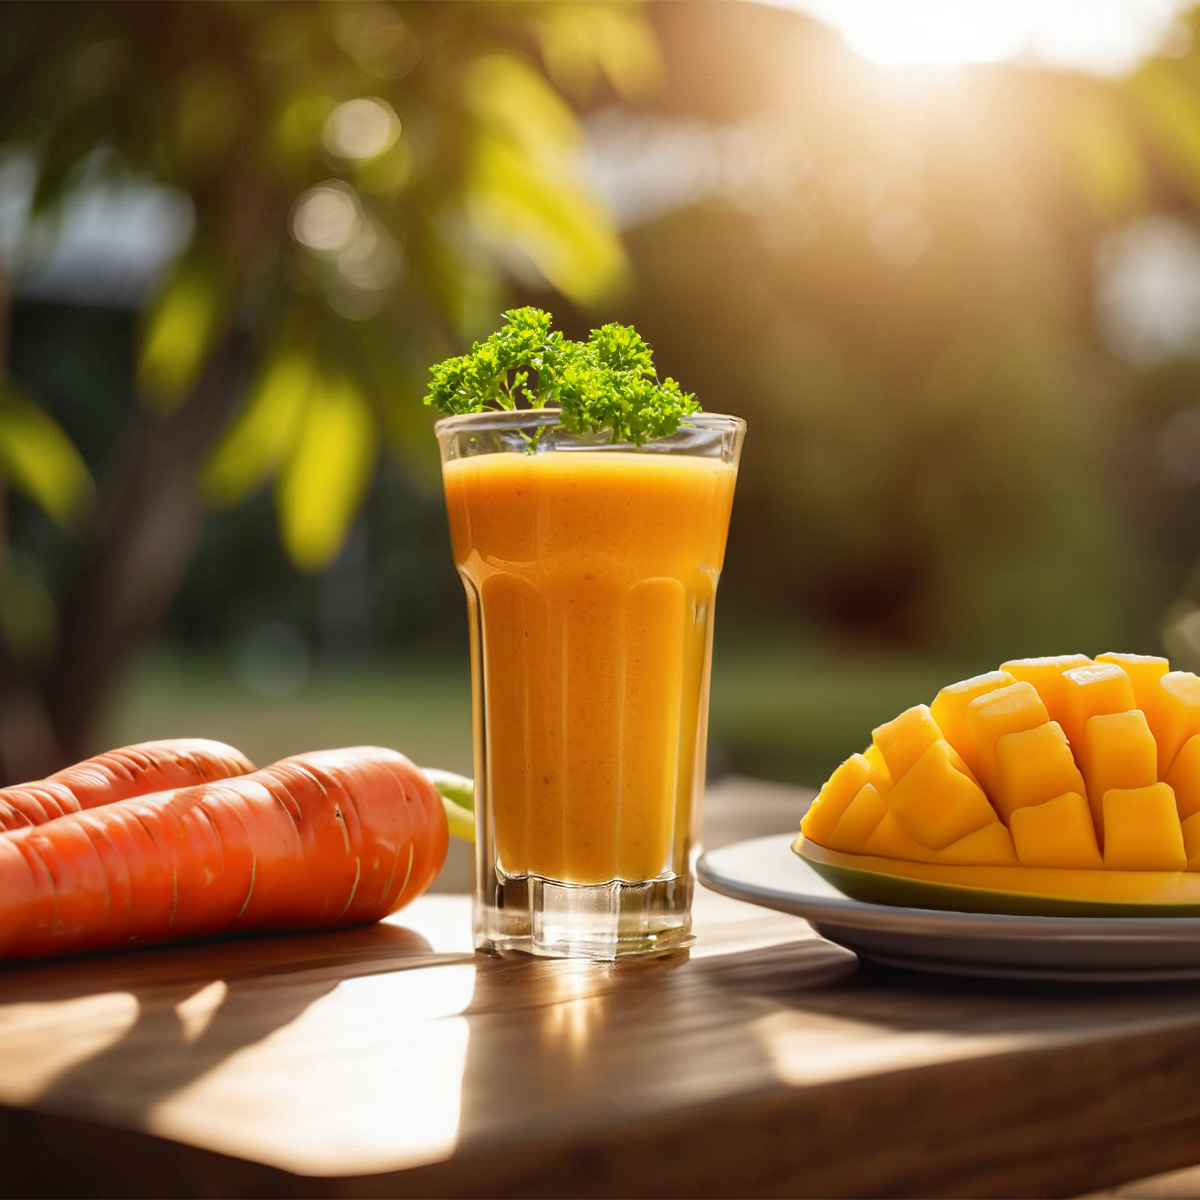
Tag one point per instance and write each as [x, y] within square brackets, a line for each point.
[606, 384]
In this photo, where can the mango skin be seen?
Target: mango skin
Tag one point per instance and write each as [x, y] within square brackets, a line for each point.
[1014, 891]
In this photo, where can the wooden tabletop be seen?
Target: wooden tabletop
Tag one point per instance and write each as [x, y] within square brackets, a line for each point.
[392, 1061]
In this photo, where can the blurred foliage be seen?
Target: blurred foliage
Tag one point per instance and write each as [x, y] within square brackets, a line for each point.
[38, 458]
[360, 173]
[900, 280]
[364, 179]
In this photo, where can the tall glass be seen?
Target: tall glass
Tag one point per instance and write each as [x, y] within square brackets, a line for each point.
[590, 571]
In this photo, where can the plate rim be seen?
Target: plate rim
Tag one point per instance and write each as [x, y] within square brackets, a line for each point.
[925, 921]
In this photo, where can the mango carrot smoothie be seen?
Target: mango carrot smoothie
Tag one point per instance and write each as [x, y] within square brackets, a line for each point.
[588, 503]
[592, 577]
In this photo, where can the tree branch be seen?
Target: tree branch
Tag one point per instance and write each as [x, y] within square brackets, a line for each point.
[140, 550]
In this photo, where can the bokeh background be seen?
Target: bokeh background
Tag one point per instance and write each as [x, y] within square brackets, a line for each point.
[944, 258]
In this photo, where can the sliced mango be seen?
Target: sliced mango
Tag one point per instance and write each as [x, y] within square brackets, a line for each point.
[890, 841]
[1045, 674]
[1058, 833]
[858, 822]
[900, 742]
[1183, 777]
[991, 846]
[835, 796]
[1173, 712]
[1144, 671]
[1010, 709]
[1050, 786]
[936, 803]
[1142, 830]
[949, 710]
[1118, 751]
[875, 760]
[1191, 841]
[1090, 691]
[1033, 766]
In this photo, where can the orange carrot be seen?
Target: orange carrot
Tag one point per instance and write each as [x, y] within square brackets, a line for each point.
[339, 837]
[117, 775]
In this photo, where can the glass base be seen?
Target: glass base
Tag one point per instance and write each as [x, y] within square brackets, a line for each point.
[531, 915]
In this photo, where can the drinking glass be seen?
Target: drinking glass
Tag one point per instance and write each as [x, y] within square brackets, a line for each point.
[590, 571]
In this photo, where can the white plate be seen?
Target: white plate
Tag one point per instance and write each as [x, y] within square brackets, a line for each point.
[1135, 949]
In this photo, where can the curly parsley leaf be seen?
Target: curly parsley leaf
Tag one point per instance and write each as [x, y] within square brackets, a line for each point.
[606, 384]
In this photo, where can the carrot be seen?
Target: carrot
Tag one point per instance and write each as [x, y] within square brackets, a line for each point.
[338, 837]
[117, 775]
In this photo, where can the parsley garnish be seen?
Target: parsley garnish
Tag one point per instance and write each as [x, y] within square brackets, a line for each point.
[607, 383]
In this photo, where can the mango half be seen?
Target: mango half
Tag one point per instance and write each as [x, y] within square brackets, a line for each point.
[1059, 786]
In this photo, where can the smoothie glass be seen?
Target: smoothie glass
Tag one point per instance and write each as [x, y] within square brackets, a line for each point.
[590, 572]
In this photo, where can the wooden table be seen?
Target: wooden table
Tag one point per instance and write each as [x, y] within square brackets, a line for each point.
[391, 1061]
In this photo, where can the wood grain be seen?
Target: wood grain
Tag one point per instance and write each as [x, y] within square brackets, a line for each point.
[391, 1061]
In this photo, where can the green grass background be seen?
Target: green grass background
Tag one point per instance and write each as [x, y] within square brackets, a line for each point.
[780, 710]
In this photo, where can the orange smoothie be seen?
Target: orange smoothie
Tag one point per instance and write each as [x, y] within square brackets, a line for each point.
[590, 579]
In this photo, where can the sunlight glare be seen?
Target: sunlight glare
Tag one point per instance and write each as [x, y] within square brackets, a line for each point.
[196, 1013]
[1102, 36]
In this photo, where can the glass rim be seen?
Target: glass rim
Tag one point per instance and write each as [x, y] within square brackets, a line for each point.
[509, 418]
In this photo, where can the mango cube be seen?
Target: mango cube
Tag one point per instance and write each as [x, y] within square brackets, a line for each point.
[1058, 833]
[1191, 841]
[1046, 763]
[835, 796]
[1045, 674]
[1091, 691]
[890, 841]
[875, 760]
[949, 710]
[905, 738]
[1144, 671]
[858, 822]
[1142, 830]
[936, 803]
[1183, 776]
[1173, 712]
[991, 846]
[1010, 709]
[1118, 751]
[1033, 766]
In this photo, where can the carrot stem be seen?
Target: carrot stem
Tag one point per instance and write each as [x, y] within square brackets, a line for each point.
[458, 799]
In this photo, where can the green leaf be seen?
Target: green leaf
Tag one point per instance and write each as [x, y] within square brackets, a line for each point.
[511, 99]
[37, 458]
[559, 223]
[526, 186]
[180, 332]
[28, 619]
[323, 479]
[208, 110]
[264, 431]
[583, 39]
[1099, 140]
[1170, 103]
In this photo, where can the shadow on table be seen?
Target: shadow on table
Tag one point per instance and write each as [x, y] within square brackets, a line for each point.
[199, 1004]
[803, 977]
